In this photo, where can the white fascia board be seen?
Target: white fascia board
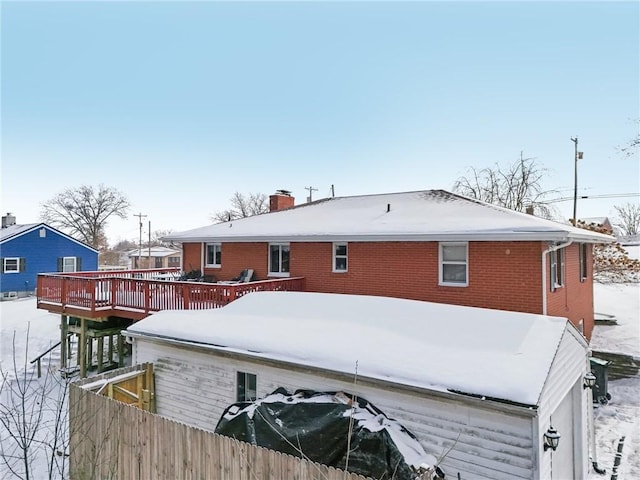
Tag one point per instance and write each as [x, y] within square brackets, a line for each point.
[559, 236]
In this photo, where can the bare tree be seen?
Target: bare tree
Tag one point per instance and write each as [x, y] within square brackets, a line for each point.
[83, 212]
[628, 221]
[516, 187]
[157, 238]
[243, 206]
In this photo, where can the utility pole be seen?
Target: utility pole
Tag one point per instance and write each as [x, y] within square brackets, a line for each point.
[577, 155]
[311, 190]
[140, 217]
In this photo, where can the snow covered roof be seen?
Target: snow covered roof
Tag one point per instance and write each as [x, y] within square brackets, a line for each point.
[155, 252]
[14, 231]
[492, 353]
[430, 215]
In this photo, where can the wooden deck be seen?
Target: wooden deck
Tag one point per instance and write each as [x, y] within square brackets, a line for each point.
[134, 294]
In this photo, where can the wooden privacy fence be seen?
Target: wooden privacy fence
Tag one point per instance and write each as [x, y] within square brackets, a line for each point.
[110, 440]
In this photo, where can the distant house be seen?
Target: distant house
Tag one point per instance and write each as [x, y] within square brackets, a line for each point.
[155, 257]
[480, 388]
[30, 249]
[424, 245]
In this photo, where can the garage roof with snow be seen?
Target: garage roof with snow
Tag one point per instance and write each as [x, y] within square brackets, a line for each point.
[492, 353]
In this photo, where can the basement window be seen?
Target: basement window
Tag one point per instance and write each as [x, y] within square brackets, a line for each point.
[246, 390]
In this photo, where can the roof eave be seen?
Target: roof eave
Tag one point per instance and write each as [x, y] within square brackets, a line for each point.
[555, 236]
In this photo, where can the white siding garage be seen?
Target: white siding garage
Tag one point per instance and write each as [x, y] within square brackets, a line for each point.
[421, 363]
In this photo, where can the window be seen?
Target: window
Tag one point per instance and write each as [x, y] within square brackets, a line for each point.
[556, 257]
[279, 259]
[174, 261]
[246, 388]
[339, 257]
[453, 264]
[11, 265]
[584, 257]
[214, 254]
[67, 264]
[158, 262]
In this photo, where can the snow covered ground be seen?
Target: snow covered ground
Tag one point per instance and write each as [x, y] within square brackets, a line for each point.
[620, 417]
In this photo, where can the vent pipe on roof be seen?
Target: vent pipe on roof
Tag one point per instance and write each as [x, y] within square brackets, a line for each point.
[8, 220]
[388, 207]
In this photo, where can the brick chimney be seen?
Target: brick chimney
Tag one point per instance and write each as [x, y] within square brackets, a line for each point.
[280, 200]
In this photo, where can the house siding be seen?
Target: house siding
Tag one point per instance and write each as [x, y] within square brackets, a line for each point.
[564, 384]
[195, 386]
[575, 299]
[502, 275]
[41, 254]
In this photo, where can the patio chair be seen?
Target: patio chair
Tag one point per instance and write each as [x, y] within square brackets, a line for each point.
[245, 276]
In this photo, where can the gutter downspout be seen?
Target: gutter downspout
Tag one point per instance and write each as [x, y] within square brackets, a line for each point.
[552, 248]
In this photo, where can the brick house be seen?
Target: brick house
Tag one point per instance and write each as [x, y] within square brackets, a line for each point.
[423, 245]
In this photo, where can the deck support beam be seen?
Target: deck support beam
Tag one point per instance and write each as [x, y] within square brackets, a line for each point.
[64, 345]
[82, 348]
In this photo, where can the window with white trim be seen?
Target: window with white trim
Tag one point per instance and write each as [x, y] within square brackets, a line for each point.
[279, 259]
[340, 257]
[584, 257]
[11, 265]
[454, 264]
[213, 255]
[69, 264]
[246, 387]
[556, 259]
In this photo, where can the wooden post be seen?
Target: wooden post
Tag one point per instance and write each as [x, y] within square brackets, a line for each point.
[120, 351]
[64, 327]
[89, 351]
[82, 348]
[110, 349]
[100, 353]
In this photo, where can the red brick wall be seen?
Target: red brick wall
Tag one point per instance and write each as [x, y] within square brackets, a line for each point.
[191, 256]
[575, 299]
[235, 258]
[502, 275]
[410, 270]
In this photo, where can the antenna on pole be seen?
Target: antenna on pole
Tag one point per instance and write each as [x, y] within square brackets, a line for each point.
[140, 217]
[577, 156]
[311, 190]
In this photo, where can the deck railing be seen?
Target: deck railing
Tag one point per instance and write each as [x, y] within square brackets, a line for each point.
[98, 293]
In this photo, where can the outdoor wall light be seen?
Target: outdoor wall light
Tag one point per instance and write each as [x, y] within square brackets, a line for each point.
[551, 439]
[589, 380]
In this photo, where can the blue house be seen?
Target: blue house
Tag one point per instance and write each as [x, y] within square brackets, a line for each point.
[27, 250]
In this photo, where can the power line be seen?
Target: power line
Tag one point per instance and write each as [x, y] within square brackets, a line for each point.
[589, 197]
